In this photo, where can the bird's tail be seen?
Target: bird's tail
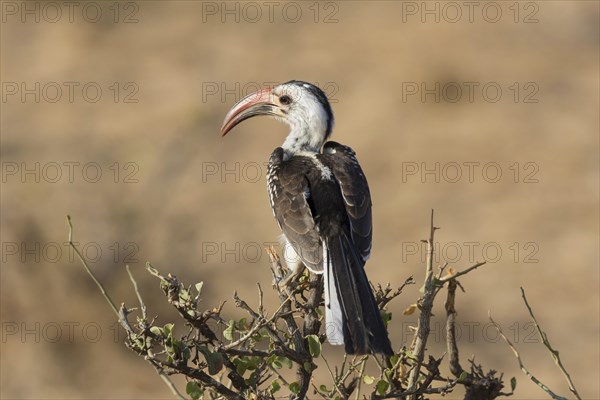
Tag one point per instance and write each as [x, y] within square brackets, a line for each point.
[351, 313]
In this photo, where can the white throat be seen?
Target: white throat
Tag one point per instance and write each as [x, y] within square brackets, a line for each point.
[308, 128]
[303, 139]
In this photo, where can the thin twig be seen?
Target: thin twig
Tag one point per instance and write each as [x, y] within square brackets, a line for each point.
[521, 365]
[260, 324]
[554, 353]
[137, 292]
[352, 368]
[360, 377]
[334, 378]
[261, 308]
[437, 390]
[171, 386]
[466, 271]
[88, 270]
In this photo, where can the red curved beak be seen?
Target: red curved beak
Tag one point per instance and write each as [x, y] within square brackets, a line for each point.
[257, 103]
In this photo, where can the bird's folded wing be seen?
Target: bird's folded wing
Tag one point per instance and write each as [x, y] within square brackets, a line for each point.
[355, 191]
[288, 192]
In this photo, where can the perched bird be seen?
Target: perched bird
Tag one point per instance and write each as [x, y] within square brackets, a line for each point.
[321, 201]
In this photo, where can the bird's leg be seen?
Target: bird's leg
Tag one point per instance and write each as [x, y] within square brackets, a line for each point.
[296, 269]
[293, 262]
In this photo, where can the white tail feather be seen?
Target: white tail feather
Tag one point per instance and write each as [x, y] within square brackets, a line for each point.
[333, 312]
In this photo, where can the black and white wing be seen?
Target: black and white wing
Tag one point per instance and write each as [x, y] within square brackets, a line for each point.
[355, 192]
[362, 326]
[288, 192]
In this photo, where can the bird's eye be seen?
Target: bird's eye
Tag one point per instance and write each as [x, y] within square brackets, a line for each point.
[285, 100]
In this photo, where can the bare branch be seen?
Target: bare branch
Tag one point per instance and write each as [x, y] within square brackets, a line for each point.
[137, 292]
[554, 353]
[425, 315]
[466, 271]
[455, 366]
[522, 366]
[88, 270]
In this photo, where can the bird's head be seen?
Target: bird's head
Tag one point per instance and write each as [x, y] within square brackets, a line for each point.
[301, 105]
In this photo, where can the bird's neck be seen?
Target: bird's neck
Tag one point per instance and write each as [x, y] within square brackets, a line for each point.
[303, 139]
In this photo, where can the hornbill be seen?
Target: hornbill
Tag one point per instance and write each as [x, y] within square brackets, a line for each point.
[321, 201]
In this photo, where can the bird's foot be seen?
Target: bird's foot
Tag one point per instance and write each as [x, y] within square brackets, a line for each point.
[291, 277]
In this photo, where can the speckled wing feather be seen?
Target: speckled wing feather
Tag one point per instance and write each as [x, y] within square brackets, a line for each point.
[289, 195]
[355, 191]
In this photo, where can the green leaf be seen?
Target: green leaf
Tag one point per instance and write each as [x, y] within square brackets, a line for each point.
[186, 353]
[294, 387]
[243, 324]
[274, 362]
[156, 330]
[386, 317]
[368, 379]
[213, 360]
[240, 366]
[286, 361]
[323, 388]
[199, 287]
[261, 335]
[168, 329]
[463, 376]
[513, 383]
[381, 387]
[228, 332]
[177, 344]
[314, 345]
[308, 367]
[184, 295]
[253, 362]
[275, 386]
[194, 390]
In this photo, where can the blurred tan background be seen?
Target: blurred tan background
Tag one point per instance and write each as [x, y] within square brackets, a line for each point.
[151, 83]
